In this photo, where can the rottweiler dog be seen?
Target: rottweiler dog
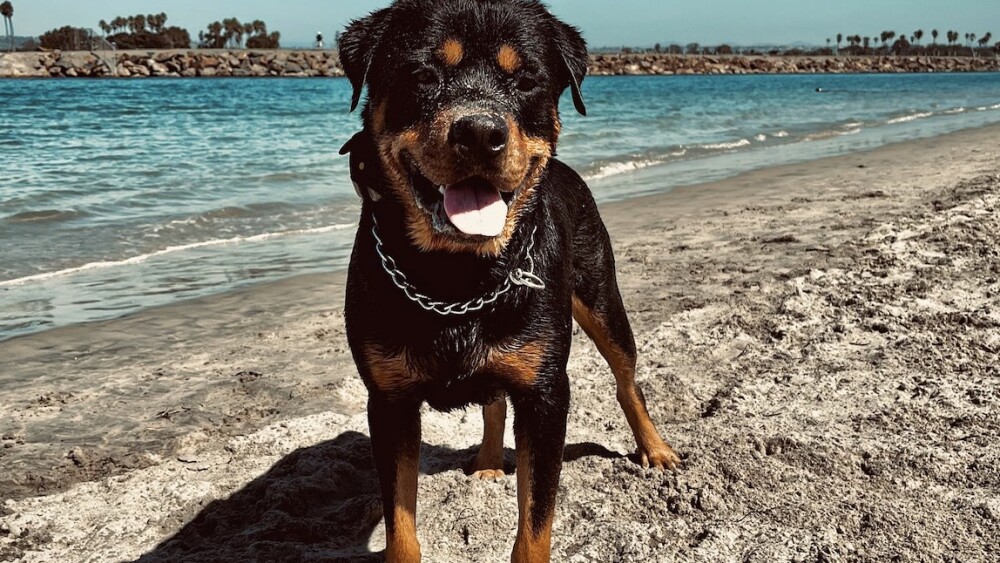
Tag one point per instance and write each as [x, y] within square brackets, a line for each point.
[476, 248]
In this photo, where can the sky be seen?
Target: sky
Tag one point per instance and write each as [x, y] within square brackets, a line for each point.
[604, 22]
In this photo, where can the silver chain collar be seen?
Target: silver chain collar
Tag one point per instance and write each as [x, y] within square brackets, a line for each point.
[519, 277]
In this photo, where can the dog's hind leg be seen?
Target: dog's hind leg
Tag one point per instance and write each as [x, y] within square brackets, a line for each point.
[602, 317]
[489, 461]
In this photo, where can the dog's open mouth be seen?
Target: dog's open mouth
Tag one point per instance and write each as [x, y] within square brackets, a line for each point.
[473, 207]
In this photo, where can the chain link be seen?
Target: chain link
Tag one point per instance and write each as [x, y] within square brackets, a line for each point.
[518, 277]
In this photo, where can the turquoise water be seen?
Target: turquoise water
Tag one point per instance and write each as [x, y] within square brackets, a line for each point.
[121, 195]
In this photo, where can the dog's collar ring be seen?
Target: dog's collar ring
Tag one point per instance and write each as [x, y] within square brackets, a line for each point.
[518, 277]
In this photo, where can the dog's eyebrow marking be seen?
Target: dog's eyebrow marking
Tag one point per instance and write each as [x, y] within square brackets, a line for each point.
[508, 59]
[451, 52]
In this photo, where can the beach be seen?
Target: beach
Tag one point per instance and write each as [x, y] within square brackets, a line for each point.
[818, 340]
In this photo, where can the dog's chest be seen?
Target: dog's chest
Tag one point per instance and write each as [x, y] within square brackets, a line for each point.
[469, 365]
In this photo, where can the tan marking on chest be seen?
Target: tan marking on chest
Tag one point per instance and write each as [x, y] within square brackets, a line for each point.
[519, 367]
[390, 373]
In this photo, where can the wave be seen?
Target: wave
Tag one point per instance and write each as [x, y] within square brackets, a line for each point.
[225, 214]
[43, 216]
[623, 167]
[617, 168]
[911, 117]
[781, 134]
[727, 145]
[170, 250]
[831, 134]
[954, 111]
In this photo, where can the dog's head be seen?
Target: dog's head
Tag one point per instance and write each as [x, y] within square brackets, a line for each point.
[463, 102]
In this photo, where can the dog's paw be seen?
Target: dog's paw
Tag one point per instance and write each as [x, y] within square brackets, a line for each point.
[661, 457]
[489, 474]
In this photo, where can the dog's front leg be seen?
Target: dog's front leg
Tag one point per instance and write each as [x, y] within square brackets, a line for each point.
[540, 434]
[395, 430]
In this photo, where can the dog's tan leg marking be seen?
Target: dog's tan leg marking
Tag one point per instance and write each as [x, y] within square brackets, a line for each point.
[401, 538]
[531, 546]
[489, 461]
[653, 451]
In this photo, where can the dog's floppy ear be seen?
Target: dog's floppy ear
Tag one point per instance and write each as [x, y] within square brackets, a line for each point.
[573, 51]
[357, 46]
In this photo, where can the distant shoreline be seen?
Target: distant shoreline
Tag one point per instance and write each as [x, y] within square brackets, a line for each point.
[305, 63]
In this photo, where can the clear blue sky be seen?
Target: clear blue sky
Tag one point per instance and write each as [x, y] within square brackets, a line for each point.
[604, 22]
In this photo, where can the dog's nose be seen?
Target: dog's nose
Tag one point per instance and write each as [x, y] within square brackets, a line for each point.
[480, 136]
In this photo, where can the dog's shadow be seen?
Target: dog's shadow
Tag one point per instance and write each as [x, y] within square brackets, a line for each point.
[319, 503]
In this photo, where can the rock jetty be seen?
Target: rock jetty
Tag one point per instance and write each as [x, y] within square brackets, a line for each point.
[608, 65]
[176, 64]
[249, 63]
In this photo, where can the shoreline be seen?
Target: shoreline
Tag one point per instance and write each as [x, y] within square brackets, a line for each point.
[313, 63]
[160, 413]
[689, 196]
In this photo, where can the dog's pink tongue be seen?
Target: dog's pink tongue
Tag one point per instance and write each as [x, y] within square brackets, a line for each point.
[475, 208]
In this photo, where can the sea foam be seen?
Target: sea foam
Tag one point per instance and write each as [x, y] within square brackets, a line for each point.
[139, 259]
[911, 117]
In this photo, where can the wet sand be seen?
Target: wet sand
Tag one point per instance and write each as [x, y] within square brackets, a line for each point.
[818, 340]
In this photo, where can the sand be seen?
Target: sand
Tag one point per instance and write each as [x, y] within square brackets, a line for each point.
[819, 341]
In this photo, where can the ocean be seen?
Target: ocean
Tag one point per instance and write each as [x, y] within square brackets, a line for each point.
[117, 196]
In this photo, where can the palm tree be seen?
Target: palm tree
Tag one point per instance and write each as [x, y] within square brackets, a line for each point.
[215, 31]
[934, 34]
[887, 36]
[985, 40]
[234, 31]
[840, 39]
[7, 11]
[918, 35]
[105, 28]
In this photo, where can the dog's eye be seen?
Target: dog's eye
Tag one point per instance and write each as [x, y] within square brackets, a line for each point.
[527, 84]
[425, 77]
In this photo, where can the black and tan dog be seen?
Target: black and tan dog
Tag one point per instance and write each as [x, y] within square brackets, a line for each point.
[476, 247]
